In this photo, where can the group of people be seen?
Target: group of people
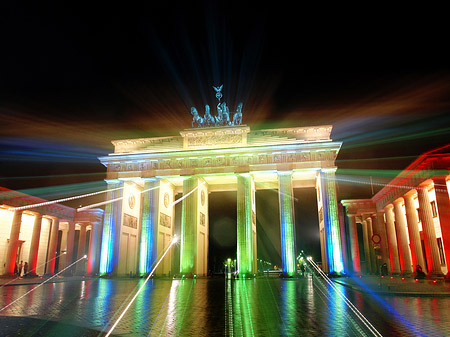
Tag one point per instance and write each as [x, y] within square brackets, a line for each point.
[21, 267]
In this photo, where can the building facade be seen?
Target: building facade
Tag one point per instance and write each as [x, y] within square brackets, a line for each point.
[49, 237]
[147, 177]
[407, 223]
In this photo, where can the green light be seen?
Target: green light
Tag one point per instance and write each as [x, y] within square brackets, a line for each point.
[188, 235]
[287, 222]
[245, 251]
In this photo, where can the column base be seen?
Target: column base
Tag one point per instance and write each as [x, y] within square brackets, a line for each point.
[406, 273]
[435, 274]
[185, 276]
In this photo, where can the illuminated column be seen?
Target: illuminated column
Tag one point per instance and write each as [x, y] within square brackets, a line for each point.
[246, 255]
[373, 263]
[331, 222]
[381, 231]
[188, 249]
[69, 249]
[429, 234]
[80, 270]
[368, 264]
[344, 238]
[51, 255]
[11, 253]
[392, 239]
[400, 226]
[286, 202]
[92, 254]
[111, 227]
[354, 247]
[34, 245]
[149, 226]
[414, 234]
[443, 208]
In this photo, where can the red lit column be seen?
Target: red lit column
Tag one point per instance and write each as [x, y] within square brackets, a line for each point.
[392, 240]
[367, 265]
[354, 248]
[373, 263]
[413, 231]
[80, 266]
[381, 231]
[429, 234]
[51, 256]
[11, 253]
[443, 208]
[34, 245]
[400, 226]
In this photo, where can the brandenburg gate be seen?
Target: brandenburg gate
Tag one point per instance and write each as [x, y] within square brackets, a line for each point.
[144, 175]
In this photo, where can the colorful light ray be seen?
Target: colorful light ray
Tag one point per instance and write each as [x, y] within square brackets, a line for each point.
[174, 240]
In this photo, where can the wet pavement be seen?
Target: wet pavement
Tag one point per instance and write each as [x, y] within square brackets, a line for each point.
[215, 307]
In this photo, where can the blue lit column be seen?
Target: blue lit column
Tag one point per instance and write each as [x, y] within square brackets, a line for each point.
[286, 202]
[331, 222]
[246, 247]
[149, 226]
[111, 227]
[188, 249]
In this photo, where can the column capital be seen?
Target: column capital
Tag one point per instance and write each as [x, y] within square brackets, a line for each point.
[388, 207]
[113, 181]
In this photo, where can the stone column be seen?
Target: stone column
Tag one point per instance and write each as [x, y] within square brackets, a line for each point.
[69, 250]
[392, 240]
[92, 254]
[373, 262]
[34, 245]
[245, 253]
[51, 255]
[112, 221]
[400, 226]
[368, 264]
[413, 232]
[331, 222]
[80, 266]
[188, 236]
[429, 234]
[11, 253]
[287, 219]
[443, 208]
[149, 226]
[344, 238]
[354, 246]
[381, 231]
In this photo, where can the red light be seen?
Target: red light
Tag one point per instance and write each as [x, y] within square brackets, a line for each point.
[382, 276]
[403, 278]
[434, 281]
[417, 280]
[392, 277]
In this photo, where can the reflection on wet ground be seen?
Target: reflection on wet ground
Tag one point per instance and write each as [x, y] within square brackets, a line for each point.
[206, 307]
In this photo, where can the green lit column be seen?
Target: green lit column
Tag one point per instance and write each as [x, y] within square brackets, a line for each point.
[286, 201]
[109, 255]
[331, 222]
[149, 225]
[188, 249]
[246, 254]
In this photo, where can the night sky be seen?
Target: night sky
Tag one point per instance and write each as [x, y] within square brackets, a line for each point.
[73, 78]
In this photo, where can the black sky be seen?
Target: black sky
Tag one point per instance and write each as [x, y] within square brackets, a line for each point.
[74, 77]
